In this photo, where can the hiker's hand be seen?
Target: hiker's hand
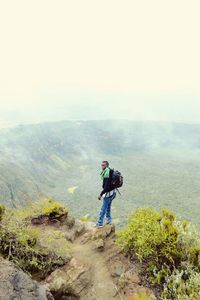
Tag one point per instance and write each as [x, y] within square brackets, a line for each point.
[99, 197]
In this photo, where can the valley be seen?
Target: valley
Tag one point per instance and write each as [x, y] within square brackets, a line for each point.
[160, 163]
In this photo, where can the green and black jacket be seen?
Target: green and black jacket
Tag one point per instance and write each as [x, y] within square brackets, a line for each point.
[106, 177]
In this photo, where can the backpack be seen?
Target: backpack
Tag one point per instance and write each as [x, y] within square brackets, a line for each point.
[116, 179]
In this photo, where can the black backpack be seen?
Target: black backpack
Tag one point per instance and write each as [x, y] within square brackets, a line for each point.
[116, 179]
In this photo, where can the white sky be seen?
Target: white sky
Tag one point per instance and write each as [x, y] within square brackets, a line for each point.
[97, 59]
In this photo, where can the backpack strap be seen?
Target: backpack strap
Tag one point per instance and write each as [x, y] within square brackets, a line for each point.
[119, 192]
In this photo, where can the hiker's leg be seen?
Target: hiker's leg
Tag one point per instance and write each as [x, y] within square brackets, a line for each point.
[102, 211]
[108, 210]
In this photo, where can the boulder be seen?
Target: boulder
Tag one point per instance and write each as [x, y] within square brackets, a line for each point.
[51, 219]
[53, 241]
[79, 227]
[69, 221]
[15, 284]
[103, 233]
[129, 278]
[132, 276]
[131, 284]
[70, 235]
[100, 245]
[71, 281]
[93, 233]
[117, 268]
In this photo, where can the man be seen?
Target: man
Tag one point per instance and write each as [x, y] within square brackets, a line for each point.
[107, 195]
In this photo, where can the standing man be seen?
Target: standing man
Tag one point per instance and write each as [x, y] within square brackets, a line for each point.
[107, 195]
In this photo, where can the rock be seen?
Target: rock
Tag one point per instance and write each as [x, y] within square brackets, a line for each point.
[100, 245]
[42, 219]
[130, 282]
[79, 227]
[72, 280]
[70, 221]
[75, 231]
[70, 235]
[129, 277]
[93, 233]
[52, 241]
[51, 219]
[133, 278]
[15, 284]
[89, 226]
[117, 268]
[103, 233]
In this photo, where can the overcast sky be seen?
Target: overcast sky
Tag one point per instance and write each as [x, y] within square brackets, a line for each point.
[96, 59]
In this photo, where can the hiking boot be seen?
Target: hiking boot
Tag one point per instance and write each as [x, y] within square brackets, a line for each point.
[98, 226]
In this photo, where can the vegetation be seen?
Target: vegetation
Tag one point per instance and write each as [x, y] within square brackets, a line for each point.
[46, 207]
[160, 163]
[170, 248]
[21, 242]
[85, 218]
[183, 283]
[2, 210]
[142, 297]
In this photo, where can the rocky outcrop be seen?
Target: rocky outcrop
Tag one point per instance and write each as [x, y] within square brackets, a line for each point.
[70, 282]
[89, 265]
[73, 229]
[70, 221]
[131, 283]
[15, 284]
[100, 244]
[98, 269]
[49, 219]
[93, 233]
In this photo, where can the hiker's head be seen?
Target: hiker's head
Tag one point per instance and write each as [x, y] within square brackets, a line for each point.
[104, 164]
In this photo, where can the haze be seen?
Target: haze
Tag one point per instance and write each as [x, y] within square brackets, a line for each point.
[98, 60]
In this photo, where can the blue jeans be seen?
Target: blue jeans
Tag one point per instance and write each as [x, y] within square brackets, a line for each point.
[106, 210]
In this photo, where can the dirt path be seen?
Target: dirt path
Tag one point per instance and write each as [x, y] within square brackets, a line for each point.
[102, 286]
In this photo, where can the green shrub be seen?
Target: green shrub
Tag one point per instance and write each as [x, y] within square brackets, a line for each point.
[85, 218]
[2, 210]
[52, 207]
[188, 240]
[46, 206]
[142, 297]
[151, 236]
[170, 249]
[194, 256]
[182, 284]
[19, 240]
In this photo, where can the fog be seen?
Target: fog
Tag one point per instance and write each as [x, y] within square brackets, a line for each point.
[98, 60]
[85, 105]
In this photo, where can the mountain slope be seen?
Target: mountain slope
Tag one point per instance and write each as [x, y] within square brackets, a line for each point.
[160, 163]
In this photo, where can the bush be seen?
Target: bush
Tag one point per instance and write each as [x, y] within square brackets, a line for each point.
[2, 209]
[142, 297]
[189, 241]
[47, 206]
[52, 207]
[85, 218]
[151, 236]
[19, 240]
[182, 284]
[170, 249]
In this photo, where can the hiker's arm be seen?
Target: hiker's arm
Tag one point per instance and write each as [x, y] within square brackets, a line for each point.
[106, 186]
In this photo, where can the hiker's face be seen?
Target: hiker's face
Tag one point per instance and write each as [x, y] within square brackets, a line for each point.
[103, 165]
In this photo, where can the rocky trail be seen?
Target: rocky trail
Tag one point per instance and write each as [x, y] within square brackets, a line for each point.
[95, 268]
[102, 286]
